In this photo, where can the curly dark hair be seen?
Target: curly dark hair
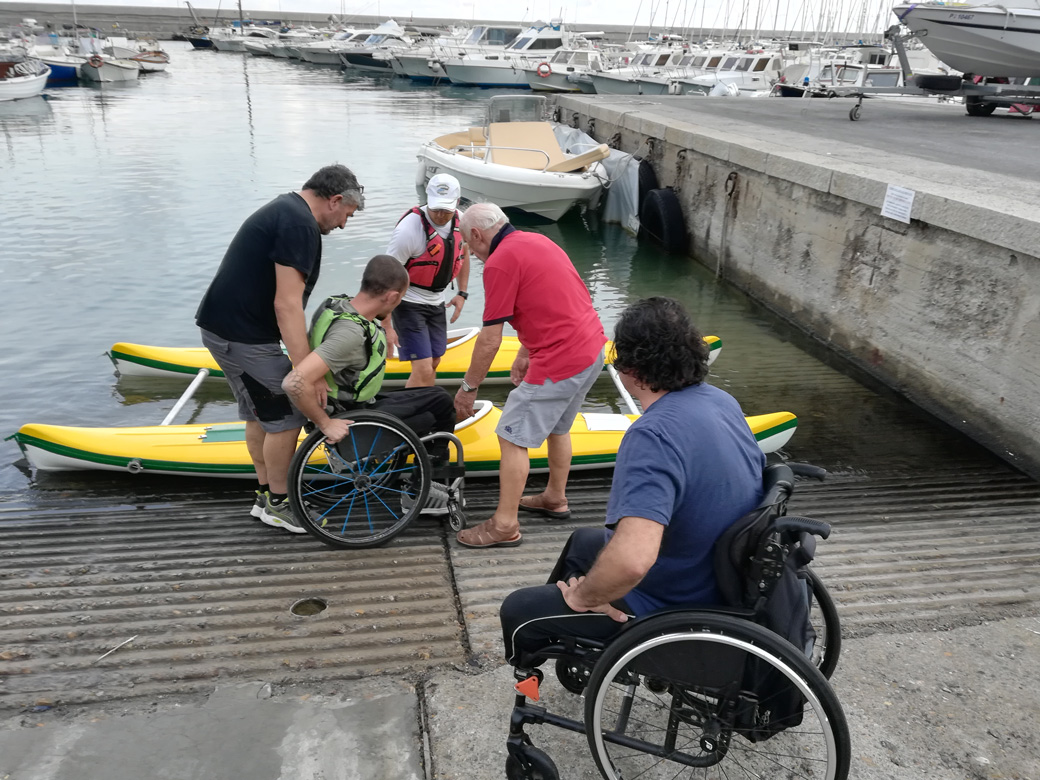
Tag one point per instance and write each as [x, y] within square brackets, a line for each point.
[656, 342]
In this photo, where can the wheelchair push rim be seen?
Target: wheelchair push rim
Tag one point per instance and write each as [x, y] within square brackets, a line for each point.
[637, 725]
[364, 490]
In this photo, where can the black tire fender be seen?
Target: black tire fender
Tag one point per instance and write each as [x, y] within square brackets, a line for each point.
[647, 181]
[661, 219]
[938, 83]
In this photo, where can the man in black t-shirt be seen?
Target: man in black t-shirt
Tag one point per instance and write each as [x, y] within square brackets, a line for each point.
[256, 300]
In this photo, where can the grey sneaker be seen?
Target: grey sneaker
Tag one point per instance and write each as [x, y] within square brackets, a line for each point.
[257, 510]
[279, 515]
[436, 501]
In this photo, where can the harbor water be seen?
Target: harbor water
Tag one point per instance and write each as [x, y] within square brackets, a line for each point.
[118, 202]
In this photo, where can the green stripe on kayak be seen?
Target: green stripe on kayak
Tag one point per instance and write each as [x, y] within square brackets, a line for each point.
[147, 464]
[774, 430]
[162, 365]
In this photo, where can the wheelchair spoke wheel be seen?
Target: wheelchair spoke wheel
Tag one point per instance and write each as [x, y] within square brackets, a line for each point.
[702, 695]
[823, 615]
[531, 764]
[363, 490]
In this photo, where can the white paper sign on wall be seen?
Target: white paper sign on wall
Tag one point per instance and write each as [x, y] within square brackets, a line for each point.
[898, 203]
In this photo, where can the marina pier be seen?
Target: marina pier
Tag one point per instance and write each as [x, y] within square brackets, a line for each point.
[783, 198]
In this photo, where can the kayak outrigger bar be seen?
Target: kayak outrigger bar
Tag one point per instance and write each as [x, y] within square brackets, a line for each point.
[186, 396]
[630, 402]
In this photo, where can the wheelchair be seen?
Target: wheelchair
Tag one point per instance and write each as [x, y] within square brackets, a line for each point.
[367, 488]
[737, 690]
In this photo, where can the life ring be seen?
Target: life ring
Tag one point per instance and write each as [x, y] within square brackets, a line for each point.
[544, 70]
[95, 61]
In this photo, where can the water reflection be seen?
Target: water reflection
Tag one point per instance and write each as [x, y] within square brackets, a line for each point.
[154, 181]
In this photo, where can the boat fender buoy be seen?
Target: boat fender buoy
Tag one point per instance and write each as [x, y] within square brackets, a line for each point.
[544, 70]
[661, 220]
[95, 61]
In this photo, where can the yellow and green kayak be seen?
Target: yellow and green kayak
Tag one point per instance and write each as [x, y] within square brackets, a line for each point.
[220, 450]
[178, 362]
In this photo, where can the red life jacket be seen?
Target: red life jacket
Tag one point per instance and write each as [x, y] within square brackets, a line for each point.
[431, 270]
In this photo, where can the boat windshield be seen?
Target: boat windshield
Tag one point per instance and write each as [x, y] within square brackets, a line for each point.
[730, 63]
[745, 63]
[883, 78]
[519, 43]
[372, 40]
[475, 35]
[561, 57]
[762, 63]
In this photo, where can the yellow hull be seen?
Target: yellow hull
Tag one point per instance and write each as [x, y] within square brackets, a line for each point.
[145, 360]
[220, 450]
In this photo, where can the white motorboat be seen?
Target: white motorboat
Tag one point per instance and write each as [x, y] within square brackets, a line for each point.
[506, 68]
[236, 40]
[426, 61]
[108, 69]
[389, 37]
[691, 64]
[984, 39]
[560, 72]
[21, 76]
[516, 163]
[258, 47]
[327, 52]
[751, 74]
[148, 56]
[625, 80]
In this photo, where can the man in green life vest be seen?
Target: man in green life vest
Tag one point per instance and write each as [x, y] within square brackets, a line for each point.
[348, 356]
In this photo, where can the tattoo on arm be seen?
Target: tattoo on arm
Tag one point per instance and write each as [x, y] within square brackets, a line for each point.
[294, 385]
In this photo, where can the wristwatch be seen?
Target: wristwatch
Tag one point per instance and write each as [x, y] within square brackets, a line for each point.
[463, 294]
[467, 388]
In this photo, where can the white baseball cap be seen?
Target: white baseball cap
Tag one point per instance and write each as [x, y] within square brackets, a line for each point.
[442, 193]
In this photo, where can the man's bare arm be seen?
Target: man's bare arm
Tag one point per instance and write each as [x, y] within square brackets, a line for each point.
[301, 385]
[288, 308]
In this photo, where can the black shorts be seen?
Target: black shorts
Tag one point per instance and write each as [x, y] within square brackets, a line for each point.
[422, 330]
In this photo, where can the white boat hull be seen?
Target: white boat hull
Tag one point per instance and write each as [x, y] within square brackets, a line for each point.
[320, 56]
[110, 71]
[554, 82]
[419, 67]
[485, 74]
[21, 87]
[549, 195]
[229, 44]
[607, 85]
[985, 41]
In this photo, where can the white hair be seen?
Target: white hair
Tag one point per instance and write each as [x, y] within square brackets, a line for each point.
[482, 216]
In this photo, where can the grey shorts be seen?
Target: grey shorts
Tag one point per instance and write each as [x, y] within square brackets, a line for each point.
[532, 412]
[255, 373]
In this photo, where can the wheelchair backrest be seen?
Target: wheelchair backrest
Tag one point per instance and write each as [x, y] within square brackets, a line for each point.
[759, 560]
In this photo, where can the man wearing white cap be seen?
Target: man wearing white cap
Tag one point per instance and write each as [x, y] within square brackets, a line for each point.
[427, 240]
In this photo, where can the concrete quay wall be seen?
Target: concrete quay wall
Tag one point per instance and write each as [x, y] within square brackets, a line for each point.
[945, 310]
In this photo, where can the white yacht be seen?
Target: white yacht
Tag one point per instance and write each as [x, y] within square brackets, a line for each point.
[561, 71]
[236, 40]
[979, 38]
[516, 161]
[625, 79]
[694, 63]
[505, 69]
[752, 73]
[327, 52]
[387, 37]
[425, 62]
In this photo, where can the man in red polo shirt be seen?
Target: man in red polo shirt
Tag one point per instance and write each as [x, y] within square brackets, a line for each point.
[530, 283]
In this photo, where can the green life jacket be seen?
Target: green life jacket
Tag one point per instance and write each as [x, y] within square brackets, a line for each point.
[370, 378]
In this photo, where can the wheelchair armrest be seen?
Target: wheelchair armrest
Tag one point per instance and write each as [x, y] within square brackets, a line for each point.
[802, 525]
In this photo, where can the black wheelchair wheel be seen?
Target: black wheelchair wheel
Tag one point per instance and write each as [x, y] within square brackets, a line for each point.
[572, 674]
[823, 615]
[533, 764]
[729, 698]
[363, 490]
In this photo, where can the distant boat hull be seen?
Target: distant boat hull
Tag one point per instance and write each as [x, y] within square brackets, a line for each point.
[487, 75]
[21, 87]
[980, 40]
[110, 71]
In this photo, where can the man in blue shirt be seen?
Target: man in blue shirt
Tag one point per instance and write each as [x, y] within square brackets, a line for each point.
[686, 470]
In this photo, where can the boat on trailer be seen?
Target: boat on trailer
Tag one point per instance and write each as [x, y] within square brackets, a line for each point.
[142, 360]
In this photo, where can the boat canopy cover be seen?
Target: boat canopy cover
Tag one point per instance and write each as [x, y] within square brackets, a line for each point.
[621, 204]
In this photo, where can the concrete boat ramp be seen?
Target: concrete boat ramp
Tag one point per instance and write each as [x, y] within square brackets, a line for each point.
[152, 635]
[400, 677]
